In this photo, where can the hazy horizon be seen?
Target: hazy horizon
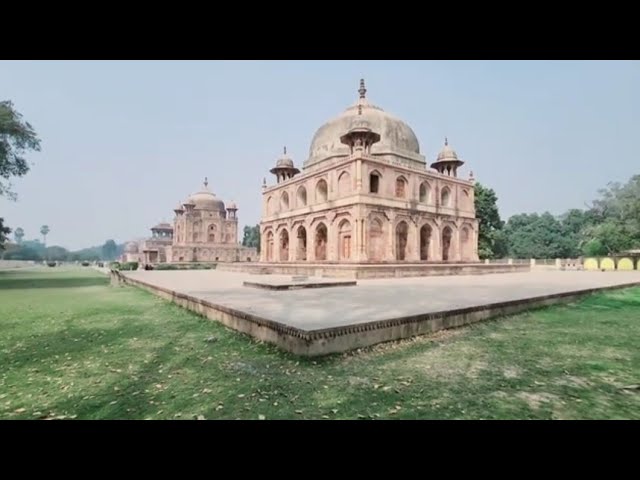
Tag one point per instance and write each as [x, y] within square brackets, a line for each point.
[123, 142]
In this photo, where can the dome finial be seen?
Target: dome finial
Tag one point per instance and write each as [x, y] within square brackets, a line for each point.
[446, 141]
[285, 150]
[362, 90]
[359, 109]
[206, 182]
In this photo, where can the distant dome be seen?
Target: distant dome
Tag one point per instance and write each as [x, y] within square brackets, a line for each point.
[163, 226]
[395, 135]
[206, 200]
[232, 206]
[131, 247]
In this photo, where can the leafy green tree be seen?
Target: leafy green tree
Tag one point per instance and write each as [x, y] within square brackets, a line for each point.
[109, 250]
[4, 231]
[44, 231]
[18, 235]
[536, 236]
[491, 242]
[16, 138]
[23, 252]
[56, 254]
[251, 237]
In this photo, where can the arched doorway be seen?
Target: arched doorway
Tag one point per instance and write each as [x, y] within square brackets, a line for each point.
[270, 246]
[376, 241]
[301, 250]
[446, 243]
[321, 191]
[284, 246]
[465, 243]
[402, 233]
[425, 242]
[321, 242]
[344, 240]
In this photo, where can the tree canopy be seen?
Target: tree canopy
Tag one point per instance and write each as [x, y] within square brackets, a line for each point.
[251, 237]
[16, 138]
[490, 239]
[109, 250]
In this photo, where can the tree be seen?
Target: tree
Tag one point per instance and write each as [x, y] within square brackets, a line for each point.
[4, 231]
[57, 254]
[490, 239]
[18, 235]
[16, 138]
[23, 252]
[614, 219]
[109, 250]
[44, 231]
[537, 236]
[251, 237]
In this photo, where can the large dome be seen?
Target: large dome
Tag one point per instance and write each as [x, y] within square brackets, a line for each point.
[206, 200]
[396, 136]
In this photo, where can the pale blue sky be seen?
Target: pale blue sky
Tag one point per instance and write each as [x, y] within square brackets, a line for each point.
[124, 141]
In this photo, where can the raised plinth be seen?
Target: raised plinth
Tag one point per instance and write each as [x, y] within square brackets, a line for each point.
[298, 282]
[372, 270]
[308, 322]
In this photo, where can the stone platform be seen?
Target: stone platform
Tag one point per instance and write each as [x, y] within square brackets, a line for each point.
[317, 322]
[297, 282]
[371, 270]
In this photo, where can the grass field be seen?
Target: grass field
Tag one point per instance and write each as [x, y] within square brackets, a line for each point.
[73, 347]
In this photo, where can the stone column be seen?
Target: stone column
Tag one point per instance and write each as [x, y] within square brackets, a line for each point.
[413, 243]
[390, 250]
[437, 242]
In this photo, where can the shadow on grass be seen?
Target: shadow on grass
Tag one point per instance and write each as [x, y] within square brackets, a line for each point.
[135, 394]
[71, 282]
[37, 351]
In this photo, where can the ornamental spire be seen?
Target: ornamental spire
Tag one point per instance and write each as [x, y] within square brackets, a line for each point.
[362, 90]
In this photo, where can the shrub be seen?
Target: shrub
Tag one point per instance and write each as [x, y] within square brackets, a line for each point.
[52, 264]
[85, 264]
[128, 266]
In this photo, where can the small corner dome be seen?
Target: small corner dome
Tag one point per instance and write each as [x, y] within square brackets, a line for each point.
[284, 161]
[447, 153]
[232, 205]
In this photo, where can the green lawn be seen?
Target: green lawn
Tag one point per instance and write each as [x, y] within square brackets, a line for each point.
[73, 347]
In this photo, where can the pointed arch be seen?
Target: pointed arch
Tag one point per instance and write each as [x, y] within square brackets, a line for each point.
[301, 244]
[301, 196]
[425, 241]
[445, 197]
[269, 246]
[320, 242]
[425, 192]
[284, 245]
[401, 187]
[321, 191]
[344, 184]
[402, 237]
[284, 202]
[375, 181]
[376, 240]
[447, 237]
[344, 240]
